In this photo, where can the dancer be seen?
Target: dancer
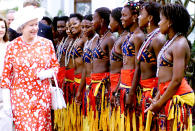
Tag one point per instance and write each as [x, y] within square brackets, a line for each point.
[116, 62]
[61, 31]
[99, 94]
[83, 91]
[130, 50]
[61, 52]
[74, 65]
[147, 60]
[175, 97]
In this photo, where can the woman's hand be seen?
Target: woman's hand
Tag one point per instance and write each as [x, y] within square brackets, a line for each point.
[113, 100]
[78, 99]
[154, 107]
[129, 100]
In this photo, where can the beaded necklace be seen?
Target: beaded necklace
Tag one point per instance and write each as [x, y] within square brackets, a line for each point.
[124, 33]
[102, 38]
[128, 38]
[60, 48]
[74, 45]
[147, 42]
[167, 44]
[88, 43]
[68, 52]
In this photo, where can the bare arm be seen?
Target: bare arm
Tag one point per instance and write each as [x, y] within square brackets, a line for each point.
[81, 86]
[179, 55]
[136, 78]
[110, 43]
[83, 80]
[158, 43]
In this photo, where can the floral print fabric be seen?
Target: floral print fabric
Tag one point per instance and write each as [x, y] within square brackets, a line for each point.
[30, 97]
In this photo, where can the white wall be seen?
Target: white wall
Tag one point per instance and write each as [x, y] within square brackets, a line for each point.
[111, 4]
[68, 7]
[52, 7]
[9, 4]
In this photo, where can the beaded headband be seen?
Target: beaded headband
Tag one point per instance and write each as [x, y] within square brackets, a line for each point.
[134, 5]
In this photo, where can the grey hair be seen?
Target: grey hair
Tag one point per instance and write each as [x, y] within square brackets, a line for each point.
[31, 3]
[19, 30]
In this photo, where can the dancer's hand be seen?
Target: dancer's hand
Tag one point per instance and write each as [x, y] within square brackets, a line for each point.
[154, 107]
[129, 100]
[78, 99]
[113, 100]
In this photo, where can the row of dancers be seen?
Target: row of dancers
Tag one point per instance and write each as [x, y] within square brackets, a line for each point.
[124, 69]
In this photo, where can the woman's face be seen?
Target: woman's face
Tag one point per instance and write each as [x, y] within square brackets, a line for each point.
[30, 29]
[113, 24]
[96, 21]
[163, 24]
[87, 28]
[61, 27]
[2, 29]
[75, 25]
[68, 30]
[143, 18]
[126, 17]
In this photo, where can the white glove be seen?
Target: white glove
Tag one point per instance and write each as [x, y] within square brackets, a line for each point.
[44, 74]
[7, 101]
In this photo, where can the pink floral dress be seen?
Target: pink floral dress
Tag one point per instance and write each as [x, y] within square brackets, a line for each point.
[30, 97]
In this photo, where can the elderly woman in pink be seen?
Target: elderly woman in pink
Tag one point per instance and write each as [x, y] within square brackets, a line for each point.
[29, 63]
